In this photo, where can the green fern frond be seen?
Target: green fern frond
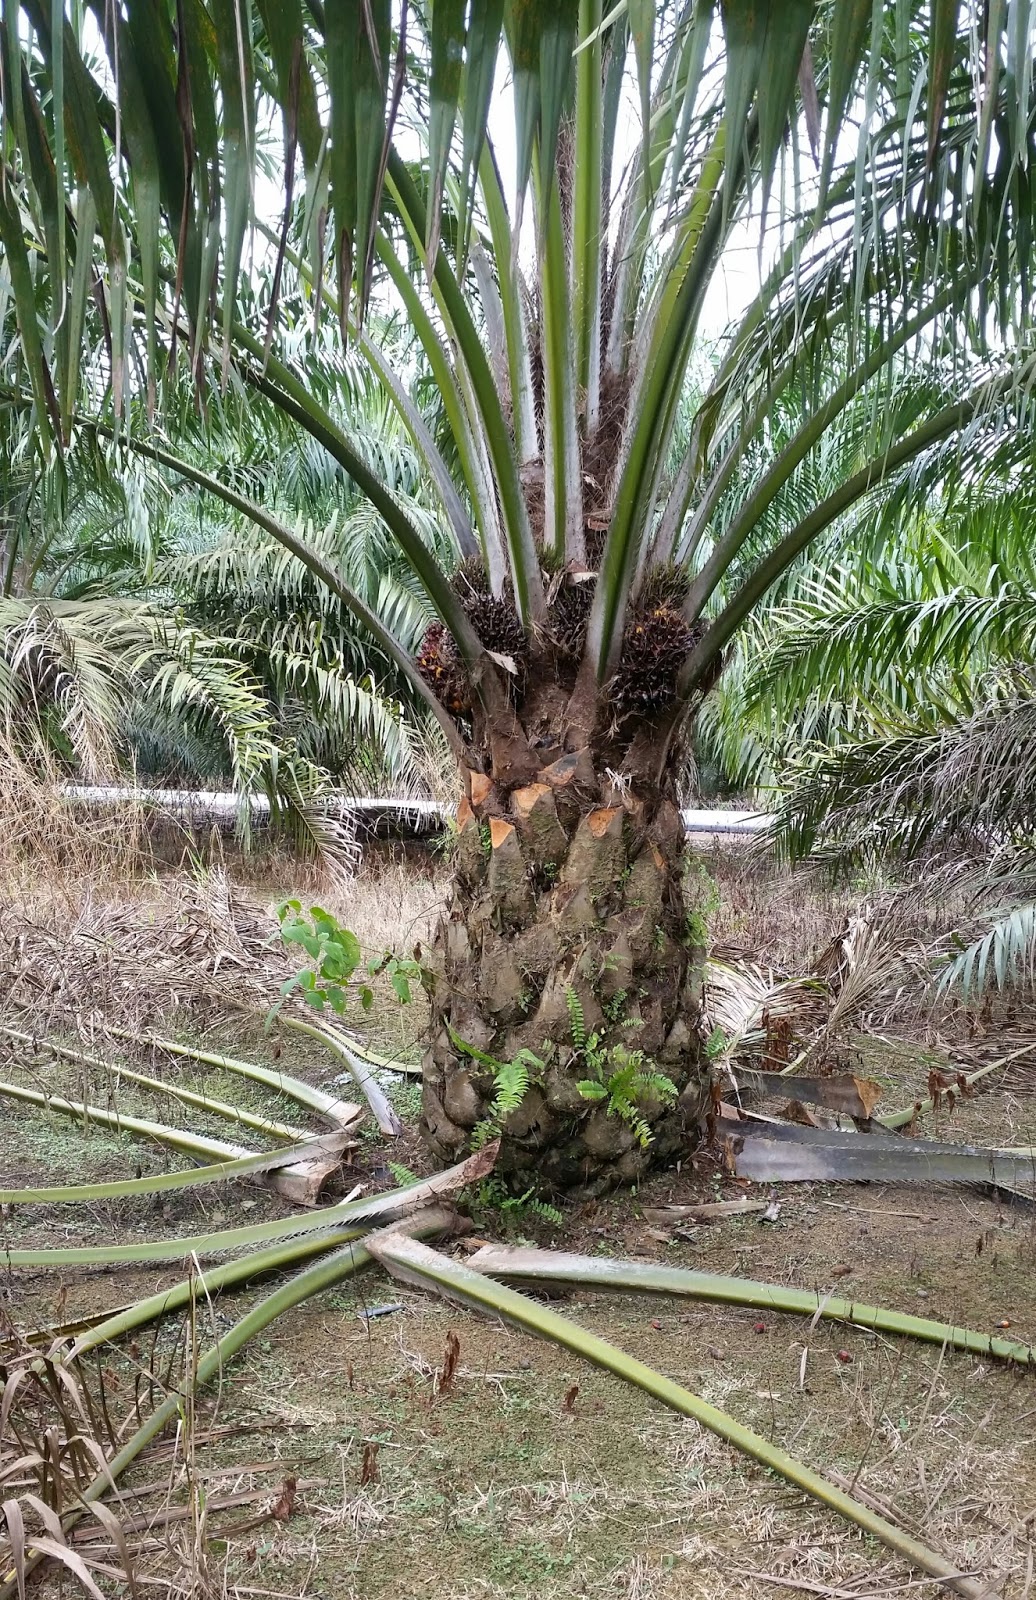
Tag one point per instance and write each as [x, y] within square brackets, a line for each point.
[654, 1083]
[638, 1126]
[576, 1017]
[511, 1083]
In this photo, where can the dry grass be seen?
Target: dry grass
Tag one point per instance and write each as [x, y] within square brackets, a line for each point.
[878, 944]
[94, 922]
[393, 904]
[501, 1489]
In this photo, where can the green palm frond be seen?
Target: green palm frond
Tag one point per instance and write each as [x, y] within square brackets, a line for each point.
[946, 781]
[74, 672]
[1005, 956]
[833, 643]
[580, 419]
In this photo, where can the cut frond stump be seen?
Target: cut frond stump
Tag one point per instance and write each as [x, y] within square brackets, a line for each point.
[508, 879]
[536, 817]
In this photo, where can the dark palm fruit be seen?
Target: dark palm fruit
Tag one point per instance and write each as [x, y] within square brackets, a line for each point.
[440, 666]
[496, 622]
[569, 615]
[666, 585]
[654, 648]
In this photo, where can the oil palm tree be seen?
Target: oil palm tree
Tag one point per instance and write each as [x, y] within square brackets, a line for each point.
[613, 530]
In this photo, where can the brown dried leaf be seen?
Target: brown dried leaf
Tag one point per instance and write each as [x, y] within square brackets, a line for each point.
[370, 1472]
[795, 1111]
[869, 1093]
[284, 1505]
[451, 1356]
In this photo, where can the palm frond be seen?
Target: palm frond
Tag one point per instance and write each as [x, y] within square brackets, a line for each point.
[1005, 956]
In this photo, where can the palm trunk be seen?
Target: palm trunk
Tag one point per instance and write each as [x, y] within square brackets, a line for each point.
[568, 919]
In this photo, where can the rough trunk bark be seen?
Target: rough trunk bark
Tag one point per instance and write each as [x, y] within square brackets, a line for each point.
[571, 898]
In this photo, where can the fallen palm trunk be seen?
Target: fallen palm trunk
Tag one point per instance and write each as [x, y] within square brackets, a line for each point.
[299, 1180]
[322, 1275]
[342, 1113]
[375, 1209]
[246, 1166]
[849, 1096]
[416, 1264]
[188, 1097]
[641, 1277]
[361, 1073]
[966, 1081]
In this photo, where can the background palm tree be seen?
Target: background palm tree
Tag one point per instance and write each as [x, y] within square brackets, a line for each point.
[614, 527]
[143, 623]
[889, 703]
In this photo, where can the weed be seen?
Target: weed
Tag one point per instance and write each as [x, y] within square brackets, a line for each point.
[335, 955]
[622, 1078]
[333, 951]
[716, 1044]
[631, 1081]
[492, 1195]
[700, 886]
[614, 1007]
[406, 1098]
[511, 1080]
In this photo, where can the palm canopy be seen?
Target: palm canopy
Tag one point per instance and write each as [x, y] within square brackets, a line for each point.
[622, 525]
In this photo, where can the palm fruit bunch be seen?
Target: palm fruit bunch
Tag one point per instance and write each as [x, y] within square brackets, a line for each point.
[569, 615]
[496, 621]
[439, 664]
[498, 627]
[655, 646]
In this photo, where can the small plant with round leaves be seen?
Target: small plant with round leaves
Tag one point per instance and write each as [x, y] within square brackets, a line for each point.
[334, 959]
